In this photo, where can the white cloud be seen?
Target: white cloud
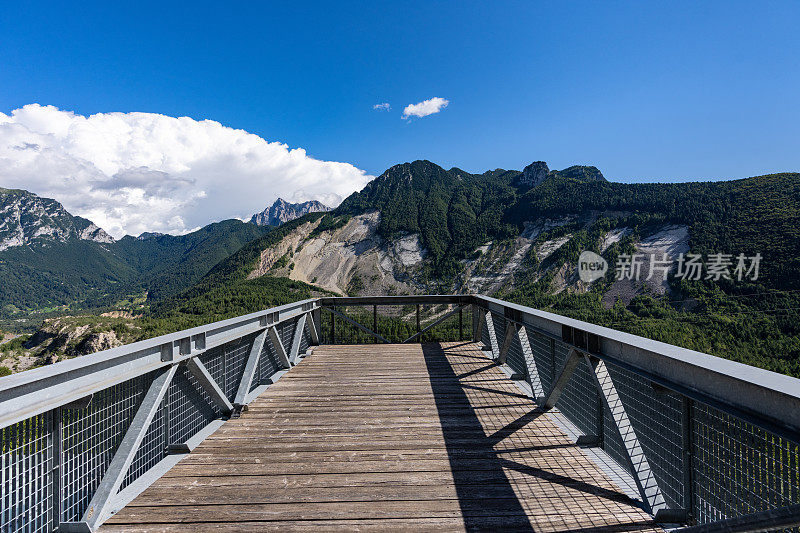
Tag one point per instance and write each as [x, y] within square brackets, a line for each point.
[425, 108]
[135, 172]
[385, 106]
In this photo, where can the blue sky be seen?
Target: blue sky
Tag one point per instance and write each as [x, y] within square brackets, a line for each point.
[646, 92]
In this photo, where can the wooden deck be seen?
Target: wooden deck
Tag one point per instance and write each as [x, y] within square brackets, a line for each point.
[386, 437]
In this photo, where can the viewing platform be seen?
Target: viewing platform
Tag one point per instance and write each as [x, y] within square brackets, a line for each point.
[443, 413]
[398, 436]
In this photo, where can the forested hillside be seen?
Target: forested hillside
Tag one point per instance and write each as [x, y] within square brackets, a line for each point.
[456, 214]
[514, 234]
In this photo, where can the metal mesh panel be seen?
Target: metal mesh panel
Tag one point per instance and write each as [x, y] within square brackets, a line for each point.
[267, 363]
[235, 361]
[739, 468]
[90, 436]
[286, 330]
[26, 466]
[190, 409]
[544, 355]
[215, 362]
[656, 417]
[151, 451]
[486, 333]
[305, 338]
[499, 322]
[580, 401]
[515, 358]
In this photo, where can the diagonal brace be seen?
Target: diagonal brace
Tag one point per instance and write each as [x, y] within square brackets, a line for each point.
[533, 371]
[511, 330]
[356, 324]
[477, 323]
[311, 326]
[209, 385]
[492, 334]
[275, 339]
[640, 468]
[435, 323]
[250, 369]
[570, 364]
[299, 328]
[121, 462]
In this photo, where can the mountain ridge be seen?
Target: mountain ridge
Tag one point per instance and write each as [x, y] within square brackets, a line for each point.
[420, 228]
[282, 211]
[28, 219]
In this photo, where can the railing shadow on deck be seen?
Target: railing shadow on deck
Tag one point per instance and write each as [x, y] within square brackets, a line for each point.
[449, 396]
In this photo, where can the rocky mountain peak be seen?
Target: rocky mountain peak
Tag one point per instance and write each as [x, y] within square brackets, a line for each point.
[27, 219]
[533, 174]
[282, 211]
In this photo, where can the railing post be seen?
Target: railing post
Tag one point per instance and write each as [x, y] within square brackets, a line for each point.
[333, 325]
[316, 320]
[477, 323]
[375, 322]
[418, 329]
[461, 324]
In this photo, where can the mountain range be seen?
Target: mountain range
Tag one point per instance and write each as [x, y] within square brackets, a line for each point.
[52, 261]
[516, 234]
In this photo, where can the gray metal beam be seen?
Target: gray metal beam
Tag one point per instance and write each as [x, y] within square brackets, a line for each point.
[477, 323]
[640, 467]
[250, 369]
[299, 328]
[356, 324]
[433, 299]
[492, 334]
[39, 390]
[203, 377]
[530, 363]
[311, 326]
[275, 339]
[511, 330]
[434, 323]
[767, 399]
[118, 468]
[570, 364]
[762, 521]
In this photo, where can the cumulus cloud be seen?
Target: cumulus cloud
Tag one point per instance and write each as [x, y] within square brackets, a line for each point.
[135, 172]
[385, 106]
[425, 108]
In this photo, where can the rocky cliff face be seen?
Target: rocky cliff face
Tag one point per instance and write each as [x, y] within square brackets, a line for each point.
[354, 259]
[533, 174]
[27, 219]
[282, 211]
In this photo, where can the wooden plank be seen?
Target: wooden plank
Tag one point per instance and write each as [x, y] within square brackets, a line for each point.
[386, 438]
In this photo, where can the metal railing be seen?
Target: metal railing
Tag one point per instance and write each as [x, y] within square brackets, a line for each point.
[83, 437]
[704, 440]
